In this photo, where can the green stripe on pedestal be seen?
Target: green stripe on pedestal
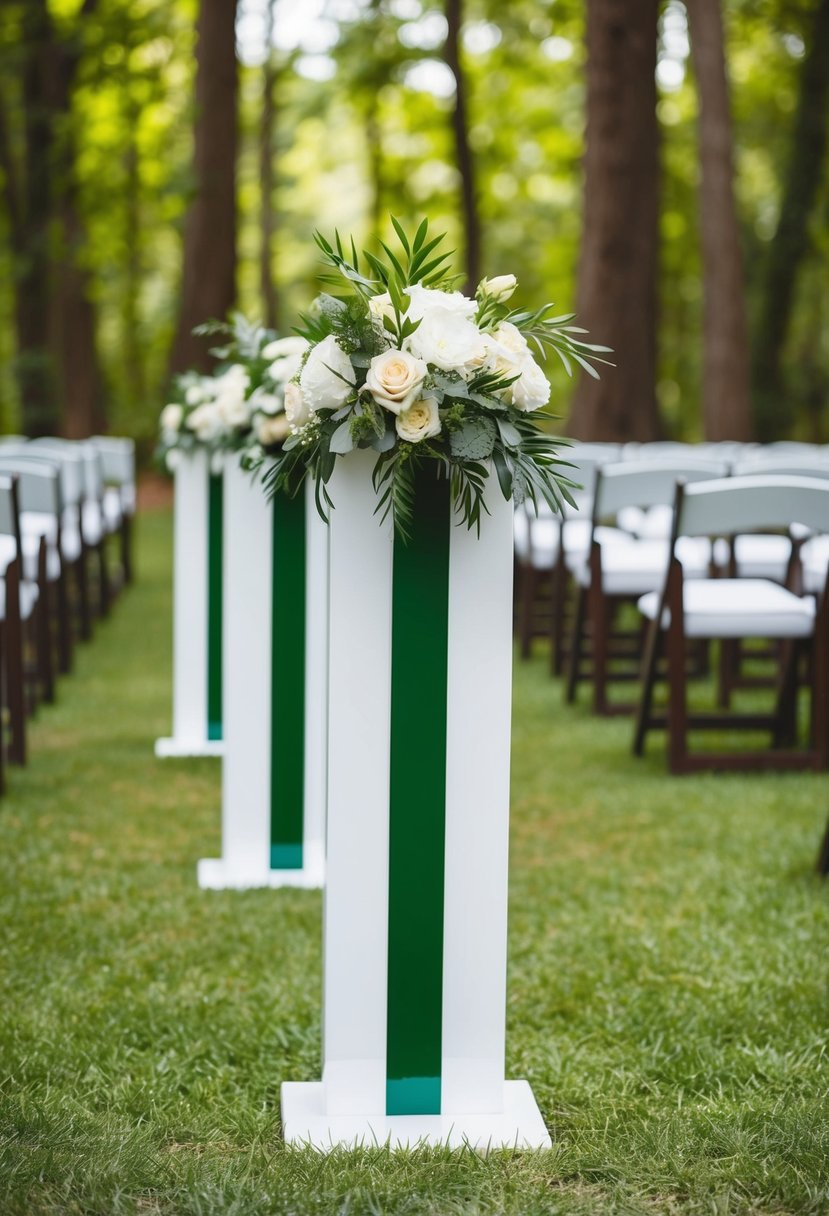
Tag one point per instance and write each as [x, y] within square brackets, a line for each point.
[288, 682]
[417, 804]
[214, 606]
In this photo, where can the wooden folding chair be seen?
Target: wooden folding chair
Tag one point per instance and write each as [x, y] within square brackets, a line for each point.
[118, 461]
[737, 608]
[17, 602]
[620, 568]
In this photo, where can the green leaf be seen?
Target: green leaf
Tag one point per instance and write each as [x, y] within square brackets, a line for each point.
[341, 441]
[510, 435]
[474, 440]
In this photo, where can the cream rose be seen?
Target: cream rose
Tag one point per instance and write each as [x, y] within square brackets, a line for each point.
[327, 378]
[171, 417]
[272, 430]
[420, 421]
[297, 410]
[394, 379]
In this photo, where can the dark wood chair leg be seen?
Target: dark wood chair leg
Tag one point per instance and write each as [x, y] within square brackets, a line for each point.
[82, 577]
[529, 586]
[650, 659]
[576, 645]
[785, 714]
[677, 690]
[599, 613]
[126, 548]
[46, 670]
[64, 624]
[15, 674]
[104, 583]
[3, 699]
[820, 687]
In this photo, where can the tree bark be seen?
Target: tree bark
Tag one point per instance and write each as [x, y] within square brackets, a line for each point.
[791, 239]
[266, 180]
[209, 271]
[34, 364]
[463, 151]
[619, 249]
[726, 392]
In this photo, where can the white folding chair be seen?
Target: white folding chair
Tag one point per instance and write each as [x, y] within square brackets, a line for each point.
[619, 568]
[118, 457]
[18, 600]
[738, 608]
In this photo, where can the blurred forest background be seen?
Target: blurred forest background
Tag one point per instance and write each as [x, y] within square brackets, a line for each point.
[660, 166]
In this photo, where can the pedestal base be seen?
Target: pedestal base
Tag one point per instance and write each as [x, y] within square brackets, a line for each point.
[518, 1126]
[169, 749]
[214, 874]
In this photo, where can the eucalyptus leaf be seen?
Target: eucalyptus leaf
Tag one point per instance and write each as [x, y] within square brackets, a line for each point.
[474, 440]
[341, 441]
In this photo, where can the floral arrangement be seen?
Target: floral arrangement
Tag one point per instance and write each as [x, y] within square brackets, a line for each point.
[241, 406]
[400, 362]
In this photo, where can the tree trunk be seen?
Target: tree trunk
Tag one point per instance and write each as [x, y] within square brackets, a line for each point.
[266, 179]
[136, 388]
[34, 365]
[209, 271]
[619, 250]
[463, 152]
[726, 393]
[790, 241]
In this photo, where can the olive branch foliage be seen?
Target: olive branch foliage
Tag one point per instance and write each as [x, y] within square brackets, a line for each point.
[480, 431]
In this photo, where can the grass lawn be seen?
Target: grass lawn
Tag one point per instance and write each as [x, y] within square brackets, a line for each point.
[667, 976]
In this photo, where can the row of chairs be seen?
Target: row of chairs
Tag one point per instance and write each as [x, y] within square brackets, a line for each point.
[746, 574]
[63, 506]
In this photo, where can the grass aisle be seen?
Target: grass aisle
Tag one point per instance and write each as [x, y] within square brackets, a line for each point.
[667, 995]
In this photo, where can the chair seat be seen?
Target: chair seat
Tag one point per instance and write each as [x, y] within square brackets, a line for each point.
[757, 556]
[113, 510]
[39, 523]
[28, 599]
[633, 567]
[93, 522]
[815, 556]
[738, 608]
[541, 541]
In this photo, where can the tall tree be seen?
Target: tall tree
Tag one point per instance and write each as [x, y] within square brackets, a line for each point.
[791, 239]
[463, 151]
[80, 381]
[726, 393]
[619, 248]
[28, 198]
[209, 272]
[267, 151]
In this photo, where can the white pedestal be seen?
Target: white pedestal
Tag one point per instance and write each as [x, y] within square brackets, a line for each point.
[381, 982]
[275, 686]
[192, 609]
[517, 1125]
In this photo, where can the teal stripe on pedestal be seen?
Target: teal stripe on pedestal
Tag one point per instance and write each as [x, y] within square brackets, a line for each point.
[417, 803]
[214, 606]
[288, 683]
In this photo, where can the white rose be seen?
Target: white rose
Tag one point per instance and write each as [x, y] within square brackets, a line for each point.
[394, 379]
[423, 300]
[327, 377]
[235, 381]
[297, 410]
[381, 306]
[532, 389]
[171, 417]
[206, 422]
[234, 410]
[511, 338]
[420, 421]
[448, 340]
[283, 348]
[500, 288]
[272, 430]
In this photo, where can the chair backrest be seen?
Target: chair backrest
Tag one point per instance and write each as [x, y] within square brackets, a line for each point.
[648, 483]
[93, 467]
[9, 514]
[586, 458]
[118, 458]
[72, 466]
[38, 483]
[733, 505]
[774, 464]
